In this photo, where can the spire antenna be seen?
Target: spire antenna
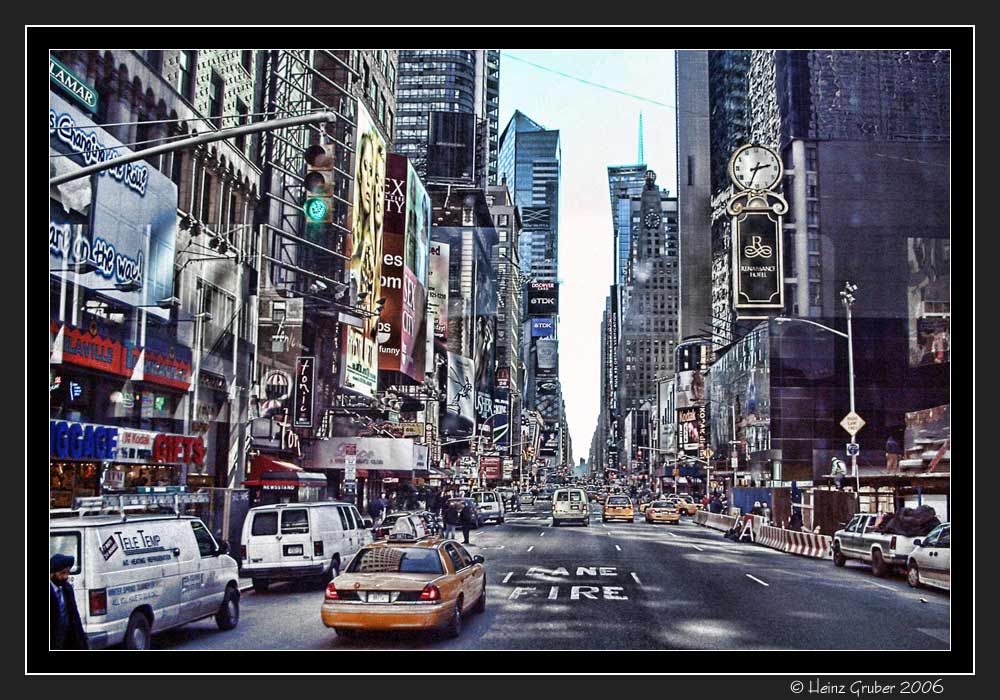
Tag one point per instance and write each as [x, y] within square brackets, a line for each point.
[641, 154]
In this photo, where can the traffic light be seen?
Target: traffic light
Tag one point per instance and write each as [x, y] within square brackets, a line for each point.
[318, 206]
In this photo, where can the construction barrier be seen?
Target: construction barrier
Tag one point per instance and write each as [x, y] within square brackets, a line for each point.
[716, 521]
[808, 544]
[773, 537]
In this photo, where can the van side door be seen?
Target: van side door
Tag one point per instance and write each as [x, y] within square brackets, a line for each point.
[364, 535]
[350, 541]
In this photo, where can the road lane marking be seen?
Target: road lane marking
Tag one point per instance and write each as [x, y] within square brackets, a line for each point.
[531, 548]
[507, 577]
[882, 585]
[618, 548]
[636, 578]
[541, 534]
[698, 548]
[671, 534]
[763, 583]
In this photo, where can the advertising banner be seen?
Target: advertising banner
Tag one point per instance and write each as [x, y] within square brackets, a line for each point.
[692, 431]
[305, 380]
[543, 299]
[413, 333]
[929, 298]
[547, 354]
[120, 223]
[390, 323]
[542, 327]
[500, 423]
[490, 467]
[757, 259]
[383, 454]
[360, 370]
[437, 287]
[690, 389]
[451, 145]
[418, 225]
[485, 365]
[460, 391]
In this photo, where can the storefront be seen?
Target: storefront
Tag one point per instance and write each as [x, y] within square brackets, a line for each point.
[89, 460]
[273, 481]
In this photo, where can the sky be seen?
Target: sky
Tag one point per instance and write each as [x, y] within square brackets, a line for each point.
[597, 128]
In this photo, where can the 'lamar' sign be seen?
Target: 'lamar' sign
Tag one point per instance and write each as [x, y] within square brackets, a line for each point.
[71, 83]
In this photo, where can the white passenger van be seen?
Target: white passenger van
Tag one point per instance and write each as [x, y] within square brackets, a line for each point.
[286, 541]
[570, 504]
[138, 574]
[490, 505]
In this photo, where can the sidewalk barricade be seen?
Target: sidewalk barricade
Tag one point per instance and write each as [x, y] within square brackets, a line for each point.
[773, 537]
[809, 545]
[716, 521]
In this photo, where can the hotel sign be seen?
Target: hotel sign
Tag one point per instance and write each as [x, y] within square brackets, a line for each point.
[756, 211]
[71, 83]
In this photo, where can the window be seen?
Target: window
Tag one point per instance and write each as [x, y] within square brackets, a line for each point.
[246, 60]
[294, 521]
[215, 100]
[359, 524]
[66, 543]
[690, 170]
[345, 520]
[264, 524]
[243, 119]
[278, 310]
[205, 200]
[456, 558]
[206, 543]
[812, 161]
[187, 66]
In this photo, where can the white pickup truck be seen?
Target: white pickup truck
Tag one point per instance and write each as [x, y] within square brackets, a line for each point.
[859, 540]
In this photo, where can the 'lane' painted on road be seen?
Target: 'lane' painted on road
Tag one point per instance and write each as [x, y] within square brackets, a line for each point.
[636, 578]
[618, 548]
[507, 577]
[531, 548]
[671, 534]
[763, 583]
[698, 548]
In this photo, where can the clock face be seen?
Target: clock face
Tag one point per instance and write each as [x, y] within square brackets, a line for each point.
[653, 220]
[755, 168]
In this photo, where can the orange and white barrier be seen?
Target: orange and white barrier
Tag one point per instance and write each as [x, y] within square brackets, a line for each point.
[773, 537]
[716, 521]
[808, 544]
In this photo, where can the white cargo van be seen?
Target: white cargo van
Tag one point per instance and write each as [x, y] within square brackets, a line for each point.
[140, 574]
[570, 504]
[286, 541]
[490, 505]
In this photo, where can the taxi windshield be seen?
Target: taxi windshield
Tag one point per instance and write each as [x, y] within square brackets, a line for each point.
[618, 501]
[661, 504]
[396, 560]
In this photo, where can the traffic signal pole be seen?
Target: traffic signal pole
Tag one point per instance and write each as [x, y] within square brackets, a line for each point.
[222, 135]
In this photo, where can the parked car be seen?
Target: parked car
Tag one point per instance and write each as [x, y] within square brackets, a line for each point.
[618, 508]
[491, 504]
[288, 541]
[929, 564]
[570, 504]
[862, 541]
[406, 584]
[137, 577]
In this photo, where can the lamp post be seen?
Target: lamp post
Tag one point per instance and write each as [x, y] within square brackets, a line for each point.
[847, 297]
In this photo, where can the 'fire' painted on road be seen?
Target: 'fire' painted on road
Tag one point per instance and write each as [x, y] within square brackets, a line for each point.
[589, 592]
[575, 592]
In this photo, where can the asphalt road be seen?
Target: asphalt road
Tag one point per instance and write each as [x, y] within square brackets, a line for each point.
[624, 586]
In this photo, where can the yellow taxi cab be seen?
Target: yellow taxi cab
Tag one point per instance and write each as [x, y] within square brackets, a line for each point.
[662, 512]
[684, 506]
[406, 583]
[618, 508]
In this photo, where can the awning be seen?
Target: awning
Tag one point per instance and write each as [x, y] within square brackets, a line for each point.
[263, 464]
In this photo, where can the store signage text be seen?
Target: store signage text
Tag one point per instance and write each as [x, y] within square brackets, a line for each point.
[109, 262]
[73, 84]
[305, 379]
[179, 448]
[84, 142]
[79, 441]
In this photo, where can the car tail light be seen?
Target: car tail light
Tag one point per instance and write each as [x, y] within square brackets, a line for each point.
[430, 594]
[243, 552]
[318, 549]
[99, 601]
[331, 592]
[892, 542]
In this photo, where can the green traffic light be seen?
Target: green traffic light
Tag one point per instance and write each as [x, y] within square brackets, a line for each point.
[316, 209]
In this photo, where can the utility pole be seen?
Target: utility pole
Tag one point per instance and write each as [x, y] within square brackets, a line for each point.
[847, 295]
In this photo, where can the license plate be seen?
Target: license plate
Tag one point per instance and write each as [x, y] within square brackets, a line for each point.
[575, 507]
[378, 597]
[292, 550]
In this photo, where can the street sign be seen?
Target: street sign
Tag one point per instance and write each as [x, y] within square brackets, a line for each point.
[853, 449]
[852, 423]
[350, 462]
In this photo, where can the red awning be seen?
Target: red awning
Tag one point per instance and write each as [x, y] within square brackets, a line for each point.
[263, 464]
[273, 483]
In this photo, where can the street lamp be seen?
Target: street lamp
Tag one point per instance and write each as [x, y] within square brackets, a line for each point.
[847, 297]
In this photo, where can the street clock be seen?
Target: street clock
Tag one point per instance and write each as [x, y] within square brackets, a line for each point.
[755, 168]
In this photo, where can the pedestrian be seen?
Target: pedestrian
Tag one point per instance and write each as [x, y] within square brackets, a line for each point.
[756, 508]
[795, 522]
[892, 453]
[765, 512]
[466, 520]
[452, 519]
[65, 626]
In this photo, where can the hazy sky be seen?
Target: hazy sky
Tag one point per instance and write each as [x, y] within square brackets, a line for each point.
[597, 128]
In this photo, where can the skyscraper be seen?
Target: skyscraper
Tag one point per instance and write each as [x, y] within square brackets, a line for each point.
[455, 81]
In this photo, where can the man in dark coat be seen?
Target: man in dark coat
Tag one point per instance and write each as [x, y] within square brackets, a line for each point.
[452, 519]
[65, 626]
[466, 517]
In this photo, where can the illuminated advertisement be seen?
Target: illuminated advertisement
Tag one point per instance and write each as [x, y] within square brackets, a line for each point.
[929, 299]
[437, 287]
[547, 355]
[118, 226]
[542, 327]
[360, 371]
[543, 299]
[692, 431]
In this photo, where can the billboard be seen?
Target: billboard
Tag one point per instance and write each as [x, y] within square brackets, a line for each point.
[122, 221]
[485, 364]
[690, 389]
[390, 322]
[929, 300]
[543, 299]
[437, 287]
[451, 145]
[381, 453]
[490, 467]
[692, 431]
[757, 259]
[542, 327]
[460, 411]
[418, 225]
[547, 355]
[413, 334]
[360, 365]
[501, 422]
